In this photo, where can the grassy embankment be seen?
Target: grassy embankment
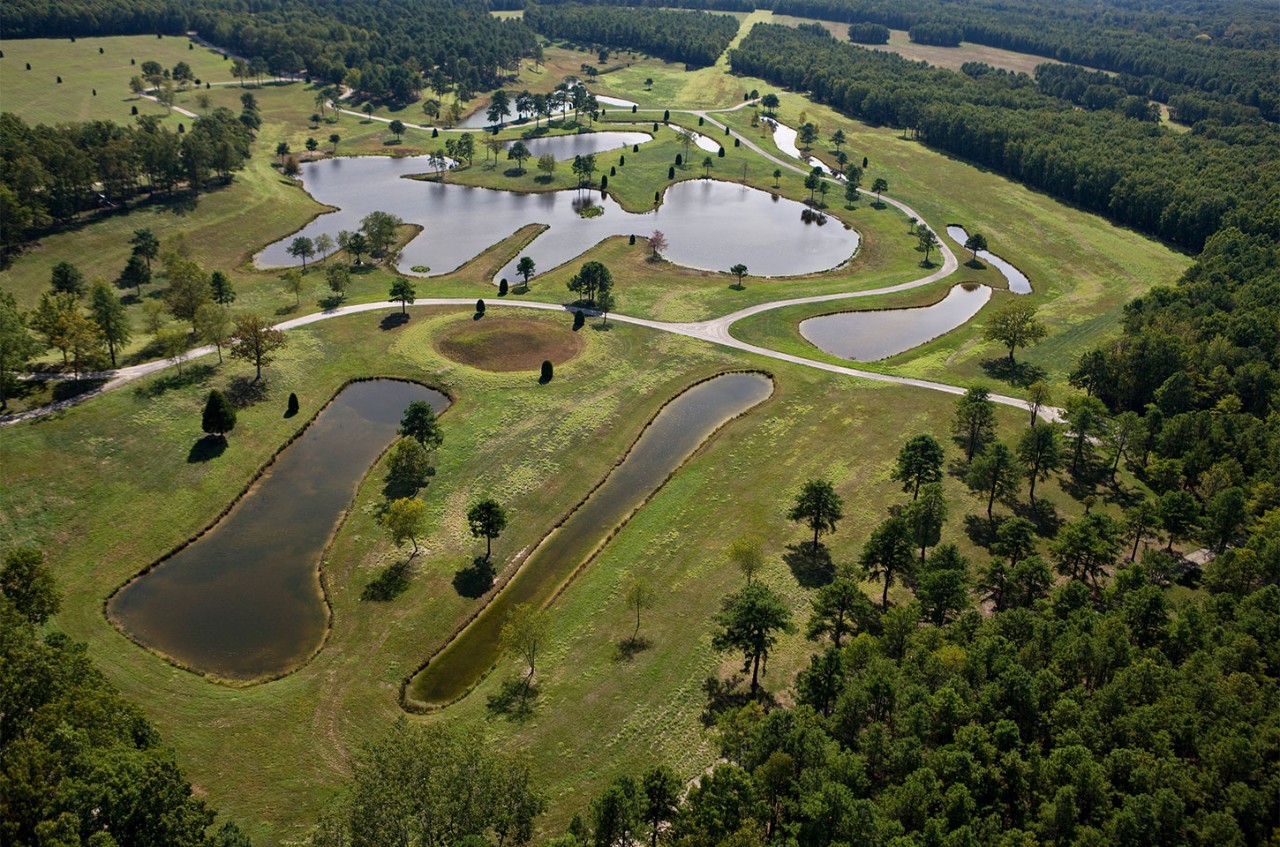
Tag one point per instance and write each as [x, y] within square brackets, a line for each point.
[535, 448]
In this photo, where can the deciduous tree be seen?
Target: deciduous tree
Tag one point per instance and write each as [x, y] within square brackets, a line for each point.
[256, 341]
[1015, 325]
[404, 520]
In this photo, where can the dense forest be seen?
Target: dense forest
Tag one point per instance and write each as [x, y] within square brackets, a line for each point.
[1170, 52]
[695, 38]
[79, 764]
[387, 49]
[1180, 187]
[50, 174]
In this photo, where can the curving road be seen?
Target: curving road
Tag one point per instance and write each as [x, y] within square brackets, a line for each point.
[714, 331]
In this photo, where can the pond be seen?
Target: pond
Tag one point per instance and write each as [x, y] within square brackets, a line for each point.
[673, 435]
[1017, 280]
[785, 138]
[709, 225]
[244, 601]
[880, 333]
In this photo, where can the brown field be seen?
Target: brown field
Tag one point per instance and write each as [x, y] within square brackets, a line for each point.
[509, 344]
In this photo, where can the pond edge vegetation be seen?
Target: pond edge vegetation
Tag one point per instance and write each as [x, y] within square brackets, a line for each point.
[244, 491]
[414, 706]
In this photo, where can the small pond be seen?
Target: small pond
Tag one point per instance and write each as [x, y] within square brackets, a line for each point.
[673, 435]
[880, 333]
[709, 224]
[1017, 280]
[244, 601]
[785, 139]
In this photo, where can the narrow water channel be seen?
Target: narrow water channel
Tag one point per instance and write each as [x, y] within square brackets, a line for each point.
[1017, 280]
[244, 601]
[674, 434]
[875, 334]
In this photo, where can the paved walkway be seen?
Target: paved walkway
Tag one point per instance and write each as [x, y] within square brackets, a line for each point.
[714, 331]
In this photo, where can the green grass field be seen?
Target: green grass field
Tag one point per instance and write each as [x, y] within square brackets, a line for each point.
[79, 482]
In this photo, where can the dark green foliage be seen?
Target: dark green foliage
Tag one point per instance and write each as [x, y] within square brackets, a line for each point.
[503, 288]
[29, 585]
[487, 519]
[591, 281]
[974, 422]
[817, 505]
[694, 38]
[1137, 174]
[479, 308]
[547, 370]
[219, 416]
[579, 318]
[459, 785]
[78, 760]
[67, 279]
[671, 174]
[291, 408]
[749, 623]
[419, 423]
[869, 33]
[919, 462]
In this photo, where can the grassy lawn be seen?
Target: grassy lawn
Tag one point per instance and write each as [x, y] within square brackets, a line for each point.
[535, 448]
[38, 98]
[1082, 268]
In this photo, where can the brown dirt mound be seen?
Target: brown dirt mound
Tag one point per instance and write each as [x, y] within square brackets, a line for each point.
[509, 344]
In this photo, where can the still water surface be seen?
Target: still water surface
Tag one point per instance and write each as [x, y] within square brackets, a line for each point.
[880, 333]
[244, 601]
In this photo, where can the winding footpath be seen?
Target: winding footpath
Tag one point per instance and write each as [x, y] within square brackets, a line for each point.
[714, 331]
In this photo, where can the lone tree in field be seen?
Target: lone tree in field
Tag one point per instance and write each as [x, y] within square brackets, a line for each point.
[255, 341]
[518, 153]
[302, 248]
[928, 241]
[419, 423]
[145, 244]
[739, 270]
[402, 292]
[657, 243]
[404, 520]
[819, 506]
[749, 623]
[889, 555]
[524, 635]
[974, 243]
[1015, 326]
[219, 417]
[397, 129]
[526, 267]
[746, 555]
[975, 421]
[640, 596]
[487, 519]
[878, 185]
[919, 463]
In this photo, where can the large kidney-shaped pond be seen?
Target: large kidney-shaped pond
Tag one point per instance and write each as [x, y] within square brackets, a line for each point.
[709, 225]
[244, 601]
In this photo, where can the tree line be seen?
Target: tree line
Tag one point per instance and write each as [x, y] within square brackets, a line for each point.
[1180, 187]
[51, 174]
[82, 765]
[693, 37]
[385, 50]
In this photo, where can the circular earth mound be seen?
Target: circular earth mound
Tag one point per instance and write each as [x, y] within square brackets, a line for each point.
[508, 344]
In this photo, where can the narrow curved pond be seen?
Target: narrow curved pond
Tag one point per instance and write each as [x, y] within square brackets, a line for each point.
[880, 333]
[673, 435]
[709, 225]
[244, 601]
[1017, 280]
[786, 140]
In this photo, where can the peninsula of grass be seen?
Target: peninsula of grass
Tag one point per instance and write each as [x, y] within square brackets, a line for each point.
[536, 448]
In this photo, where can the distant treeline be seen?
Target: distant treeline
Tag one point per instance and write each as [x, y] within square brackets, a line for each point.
[695, 38]
[394, 48]
[1179, 187]
[1174, 49]
[49, 174]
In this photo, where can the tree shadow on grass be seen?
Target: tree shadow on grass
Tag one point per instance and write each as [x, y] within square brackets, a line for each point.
[515, 699]
[726, 694]
[395, 489]
[207, 448]
[475, 579]
[626, 649]
[242, 392]
[1043, 514]
[811, 568]
[389, 584]
[981, 531]
[393, 320]
[287, 310]
[1014, 373]
[68, 388]
[193, 375]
